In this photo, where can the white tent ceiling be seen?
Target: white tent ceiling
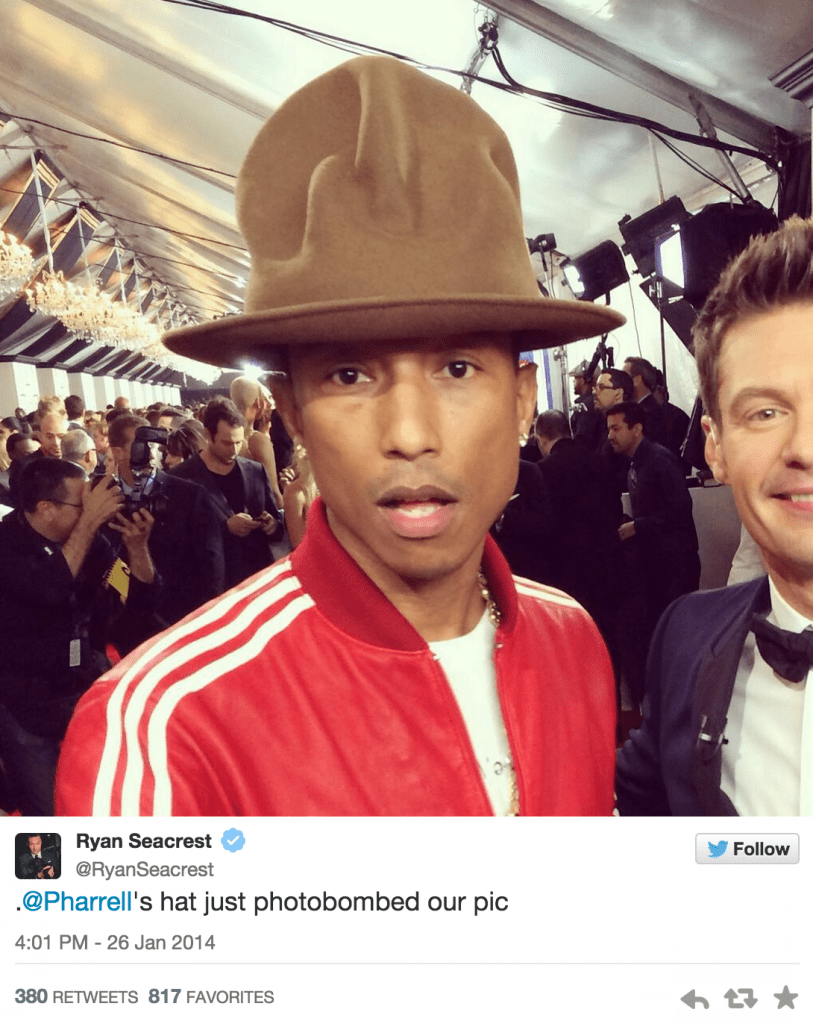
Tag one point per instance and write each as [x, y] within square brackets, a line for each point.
[194, 85]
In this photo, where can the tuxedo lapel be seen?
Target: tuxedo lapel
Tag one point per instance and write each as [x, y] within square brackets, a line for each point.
[714, 685]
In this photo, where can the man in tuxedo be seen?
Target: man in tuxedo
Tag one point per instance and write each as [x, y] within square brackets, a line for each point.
[36, 862]
[728, 669]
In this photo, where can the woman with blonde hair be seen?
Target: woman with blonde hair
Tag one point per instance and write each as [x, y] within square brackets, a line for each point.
[255, 403]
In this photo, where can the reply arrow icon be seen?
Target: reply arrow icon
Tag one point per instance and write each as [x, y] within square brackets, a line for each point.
[691, 1000]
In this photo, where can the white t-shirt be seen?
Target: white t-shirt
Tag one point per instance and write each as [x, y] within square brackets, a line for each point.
[468, 662]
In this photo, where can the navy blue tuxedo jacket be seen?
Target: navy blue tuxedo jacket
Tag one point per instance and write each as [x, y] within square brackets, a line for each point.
[672, 764]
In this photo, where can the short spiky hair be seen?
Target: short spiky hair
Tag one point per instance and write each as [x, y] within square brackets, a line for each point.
[631, 411]
[552, 425]
[621, 379]
[774, 270]
[117, 428]
[43, 479]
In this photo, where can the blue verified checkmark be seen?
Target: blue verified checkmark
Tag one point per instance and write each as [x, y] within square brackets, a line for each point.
[233, 840]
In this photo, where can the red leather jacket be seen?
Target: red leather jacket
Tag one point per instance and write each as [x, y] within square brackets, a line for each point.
[303, 691]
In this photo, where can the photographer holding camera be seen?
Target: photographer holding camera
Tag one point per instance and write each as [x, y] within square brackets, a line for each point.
[56, 585]
[186, 543]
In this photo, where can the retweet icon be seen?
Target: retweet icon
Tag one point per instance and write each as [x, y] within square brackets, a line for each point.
[718, 849]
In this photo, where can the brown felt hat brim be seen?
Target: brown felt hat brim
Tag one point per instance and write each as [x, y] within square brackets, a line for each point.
[231, 341]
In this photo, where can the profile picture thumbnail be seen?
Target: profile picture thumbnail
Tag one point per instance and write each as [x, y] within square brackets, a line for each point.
[38, 855]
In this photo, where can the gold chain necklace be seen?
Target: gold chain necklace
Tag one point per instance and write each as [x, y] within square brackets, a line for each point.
[495, 617]
[494, 613]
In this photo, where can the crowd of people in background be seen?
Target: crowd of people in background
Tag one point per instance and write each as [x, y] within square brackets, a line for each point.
[623, 436]
[223, 481]
[155, 510]
[218, 482]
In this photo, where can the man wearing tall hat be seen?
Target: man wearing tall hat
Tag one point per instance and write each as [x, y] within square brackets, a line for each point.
[391, 665]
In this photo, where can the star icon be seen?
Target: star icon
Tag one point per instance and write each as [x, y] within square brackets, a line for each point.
[786, 998]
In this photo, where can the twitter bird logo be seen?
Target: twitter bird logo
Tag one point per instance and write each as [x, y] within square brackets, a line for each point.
[718, 849]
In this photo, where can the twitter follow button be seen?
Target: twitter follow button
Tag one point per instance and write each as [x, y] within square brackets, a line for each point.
[745, 848]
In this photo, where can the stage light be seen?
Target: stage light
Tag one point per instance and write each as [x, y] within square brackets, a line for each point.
[694, 254]
[641, 233]
[669, 259]
[596, 272]
[253, 370]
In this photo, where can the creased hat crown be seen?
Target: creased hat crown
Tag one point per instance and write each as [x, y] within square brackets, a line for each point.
[378, 202]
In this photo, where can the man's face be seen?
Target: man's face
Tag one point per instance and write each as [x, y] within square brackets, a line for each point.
[579, 385]
[35, 844]
[414, 446]
[100, 441]
[91, 461]
[623, 438]
[165, 422]
[121, 453]
[606, 394]
[52, 429]
[763, 446]
[226, 443]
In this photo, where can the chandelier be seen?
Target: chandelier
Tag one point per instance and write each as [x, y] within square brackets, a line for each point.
[154, 348]
[86, 311]
[17, 265]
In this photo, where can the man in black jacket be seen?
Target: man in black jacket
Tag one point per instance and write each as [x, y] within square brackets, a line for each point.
[586, 421]
[662, 521]
[613, 386]
[38, 862]
[584, 544]
[644, 378]
[239, 490]
[55, 573]
[186, 544]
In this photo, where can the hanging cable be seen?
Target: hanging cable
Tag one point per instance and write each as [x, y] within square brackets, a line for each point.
[557, 101]
[141, 223]
[21, 118]
[634, 317]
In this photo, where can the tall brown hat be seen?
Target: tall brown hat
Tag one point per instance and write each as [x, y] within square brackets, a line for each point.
[378, 202]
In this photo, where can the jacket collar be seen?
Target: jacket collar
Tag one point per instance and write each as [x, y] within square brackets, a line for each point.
[714, 686]
[642, 451]
[353, 603]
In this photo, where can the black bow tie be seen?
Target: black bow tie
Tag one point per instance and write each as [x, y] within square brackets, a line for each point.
[790, 655]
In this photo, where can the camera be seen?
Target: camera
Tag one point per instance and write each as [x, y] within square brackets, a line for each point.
[146, 493]
[141, 462]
